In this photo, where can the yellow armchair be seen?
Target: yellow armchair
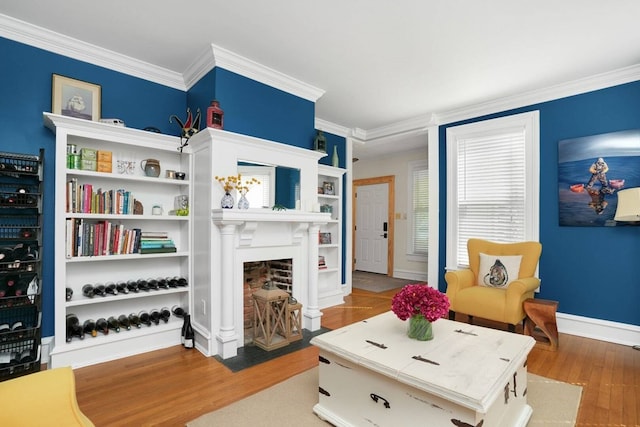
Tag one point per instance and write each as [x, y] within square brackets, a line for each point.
[45, 398]
[502, 304]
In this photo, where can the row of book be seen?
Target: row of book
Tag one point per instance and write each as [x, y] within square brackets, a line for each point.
[83, 198]
[102, 238]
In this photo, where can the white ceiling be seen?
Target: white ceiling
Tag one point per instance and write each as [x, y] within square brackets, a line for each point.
[379, 62]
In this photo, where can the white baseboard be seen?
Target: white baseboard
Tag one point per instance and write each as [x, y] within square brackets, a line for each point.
[603, 330]
[418, 276]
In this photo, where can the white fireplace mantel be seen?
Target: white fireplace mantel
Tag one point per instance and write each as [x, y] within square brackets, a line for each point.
[225, 239]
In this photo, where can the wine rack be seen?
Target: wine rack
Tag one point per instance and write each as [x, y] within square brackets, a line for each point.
[98, 237]
[20, 263]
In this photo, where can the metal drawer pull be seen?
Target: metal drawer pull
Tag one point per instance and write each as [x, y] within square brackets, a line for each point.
[375, 398]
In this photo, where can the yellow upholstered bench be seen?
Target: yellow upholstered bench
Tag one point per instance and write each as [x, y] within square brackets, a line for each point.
[45, 398]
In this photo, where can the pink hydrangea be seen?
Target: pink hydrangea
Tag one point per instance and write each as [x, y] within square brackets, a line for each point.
[420, 299]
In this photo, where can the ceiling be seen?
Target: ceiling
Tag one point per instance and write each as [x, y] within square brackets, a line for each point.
[379, 62]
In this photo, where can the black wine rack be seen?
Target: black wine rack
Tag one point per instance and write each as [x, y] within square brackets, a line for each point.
[20, 263]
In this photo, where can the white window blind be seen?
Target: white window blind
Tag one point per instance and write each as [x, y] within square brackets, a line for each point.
[260, 195]
[420, 209]
[495, 173]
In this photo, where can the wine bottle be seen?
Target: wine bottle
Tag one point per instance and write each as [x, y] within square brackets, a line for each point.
[155, 316]
[124, 322]
[68, 294]
[178, 311]
[88, 291]
[26, 356]
[135, 320]
[10, 283]
[110, 288]
[4, 328]
[133, 286]
[73, 327]
[143, 285]
[189, 335]
[165, 314]
[4, 289]
[100, 290]
[102, 326]
[162, 283]
[122, 287]
[144, 318]
[89, 327]
[113, 324]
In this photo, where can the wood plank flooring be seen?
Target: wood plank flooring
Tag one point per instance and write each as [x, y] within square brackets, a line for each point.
[172, 386]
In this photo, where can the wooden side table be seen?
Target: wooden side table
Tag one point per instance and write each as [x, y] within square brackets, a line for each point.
[269, 323]
[540, 322]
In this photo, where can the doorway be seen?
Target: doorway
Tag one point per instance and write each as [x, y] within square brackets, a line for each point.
[373, 231]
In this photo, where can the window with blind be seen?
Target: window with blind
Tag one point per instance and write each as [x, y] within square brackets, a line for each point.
[418, 221]
[260, 195]
[492, 183]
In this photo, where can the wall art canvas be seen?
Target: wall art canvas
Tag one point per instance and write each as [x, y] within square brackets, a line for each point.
[591, 170]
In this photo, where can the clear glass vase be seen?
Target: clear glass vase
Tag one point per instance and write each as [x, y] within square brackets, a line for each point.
[420, 328]
[243, 203]
[227, 201]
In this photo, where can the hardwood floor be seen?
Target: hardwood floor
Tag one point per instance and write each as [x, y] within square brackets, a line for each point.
[172, 386]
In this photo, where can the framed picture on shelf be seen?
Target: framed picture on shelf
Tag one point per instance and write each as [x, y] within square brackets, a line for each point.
[325, 238]
[328, 188]
[75, 98]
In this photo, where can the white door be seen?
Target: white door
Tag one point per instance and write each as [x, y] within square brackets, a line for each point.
[372, 212]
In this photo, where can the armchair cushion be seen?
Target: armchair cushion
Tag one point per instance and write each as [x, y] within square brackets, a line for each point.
[497, 271]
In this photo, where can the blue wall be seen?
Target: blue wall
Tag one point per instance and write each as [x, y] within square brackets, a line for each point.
[250, 108]
[591, 271]
[255, 109]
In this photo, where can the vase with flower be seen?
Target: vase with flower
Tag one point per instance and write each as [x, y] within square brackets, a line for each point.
[422, 305]
[243, 189]
[234, 182]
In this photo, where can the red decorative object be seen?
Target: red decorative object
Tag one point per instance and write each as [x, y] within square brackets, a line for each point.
[215, 115]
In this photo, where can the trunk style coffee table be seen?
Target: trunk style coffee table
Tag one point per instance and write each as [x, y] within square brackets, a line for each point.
[372, 374]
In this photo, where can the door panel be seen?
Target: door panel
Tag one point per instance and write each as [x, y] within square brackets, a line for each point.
[372, 213]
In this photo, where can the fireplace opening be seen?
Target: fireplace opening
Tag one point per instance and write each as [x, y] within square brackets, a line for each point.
[256, 274]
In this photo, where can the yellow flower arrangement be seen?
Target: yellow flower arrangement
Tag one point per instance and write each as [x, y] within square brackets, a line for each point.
[234, 182]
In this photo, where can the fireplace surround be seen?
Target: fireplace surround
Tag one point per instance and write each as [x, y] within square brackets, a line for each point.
[225, 239]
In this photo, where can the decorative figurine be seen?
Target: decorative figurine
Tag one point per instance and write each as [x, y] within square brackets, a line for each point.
[190, 127]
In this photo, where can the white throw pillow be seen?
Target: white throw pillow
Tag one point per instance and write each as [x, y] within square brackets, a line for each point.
[497, 271]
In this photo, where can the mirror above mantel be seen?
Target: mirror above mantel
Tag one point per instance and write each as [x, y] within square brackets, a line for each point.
[279, 185]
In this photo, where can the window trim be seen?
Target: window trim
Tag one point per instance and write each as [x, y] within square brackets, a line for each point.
[530, 122]
[411, 255]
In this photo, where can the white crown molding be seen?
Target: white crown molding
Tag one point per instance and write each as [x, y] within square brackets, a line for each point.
[332, 128]
[575, 87]
[224, 58]
[29, 34]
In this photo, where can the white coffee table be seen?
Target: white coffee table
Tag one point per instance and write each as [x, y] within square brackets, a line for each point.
[372, 374]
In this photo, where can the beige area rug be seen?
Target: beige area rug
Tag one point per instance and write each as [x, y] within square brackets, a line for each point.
[374, 282]
[290, 403]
